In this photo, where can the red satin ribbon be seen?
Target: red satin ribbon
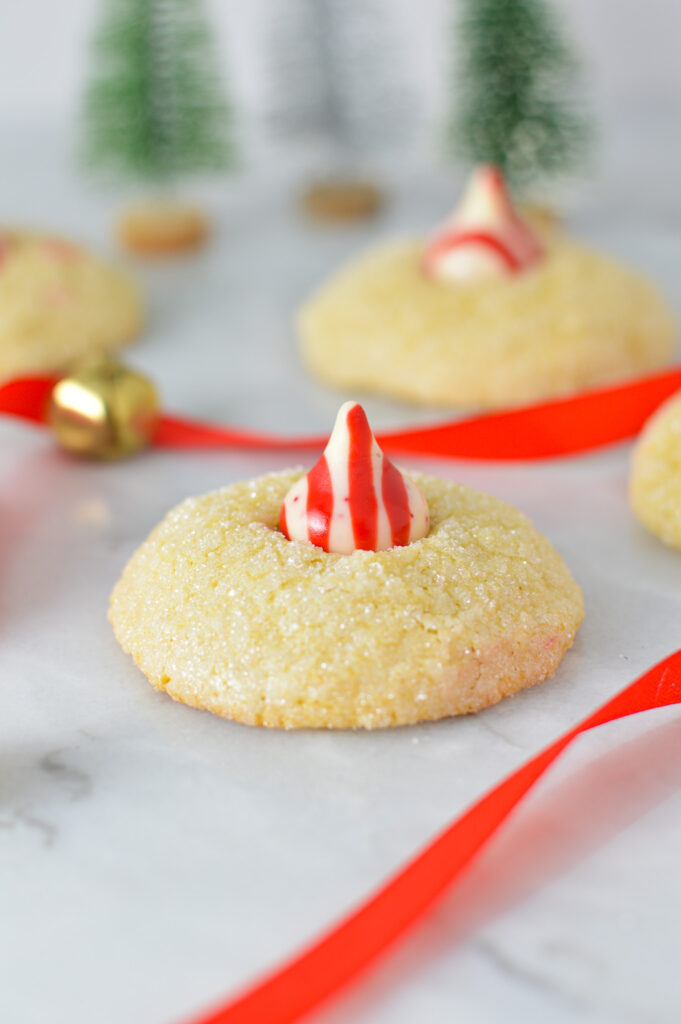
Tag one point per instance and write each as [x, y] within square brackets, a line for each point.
[27, 397]
[350, 947]
[564, 426]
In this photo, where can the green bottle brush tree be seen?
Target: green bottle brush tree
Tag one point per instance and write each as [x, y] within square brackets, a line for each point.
[514, 92]
[154, 110]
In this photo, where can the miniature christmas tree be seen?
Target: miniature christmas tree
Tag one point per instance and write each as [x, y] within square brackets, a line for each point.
[154, 109]
[516, 106]
[335, 83]
[334, 75]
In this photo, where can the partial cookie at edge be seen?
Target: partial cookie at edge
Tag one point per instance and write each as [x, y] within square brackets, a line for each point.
[655, 479]
[59, 303]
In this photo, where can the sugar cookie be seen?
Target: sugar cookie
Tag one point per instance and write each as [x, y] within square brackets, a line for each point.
[59, 303]
[491, 312]
[655, 481]
[222, 611]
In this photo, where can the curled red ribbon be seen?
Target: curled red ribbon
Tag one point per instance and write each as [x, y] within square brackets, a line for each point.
[351, 946]
[563, 426]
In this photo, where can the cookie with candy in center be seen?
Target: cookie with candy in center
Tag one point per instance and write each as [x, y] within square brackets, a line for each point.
[353, 596]
[492, 310]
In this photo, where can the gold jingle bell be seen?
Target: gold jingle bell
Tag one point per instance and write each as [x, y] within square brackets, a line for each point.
[103, 409]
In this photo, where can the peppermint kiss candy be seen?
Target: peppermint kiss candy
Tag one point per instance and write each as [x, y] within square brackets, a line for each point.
[354, 498]
[485, 238]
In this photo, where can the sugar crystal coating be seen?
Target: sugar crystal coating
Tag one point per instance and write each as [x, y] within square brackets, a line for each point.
[655, 481]
[59, 303]
[223, 612]
[574, 320]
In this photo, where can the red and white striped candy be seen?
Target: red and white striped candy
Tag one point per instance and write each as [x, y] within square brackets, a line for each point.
[354, 498]
[485, 237]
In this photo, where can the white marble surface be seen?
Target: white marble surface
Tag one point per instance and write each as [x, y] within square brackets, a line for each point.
[153, 858]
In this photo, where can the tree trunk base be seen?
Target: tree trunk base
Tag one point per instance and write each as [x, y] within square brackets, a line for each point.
[162, 227]
[341, 200]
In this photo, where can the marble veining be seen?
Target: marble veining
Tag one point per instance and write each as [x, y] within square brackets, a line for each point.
[44, 784]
